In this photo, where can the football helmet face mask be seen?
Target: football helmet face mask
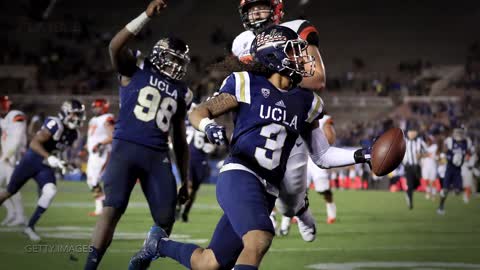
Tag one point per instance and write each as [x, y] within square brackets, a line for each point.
[282, 50]
[253, 18]
[170, 57]
[72, 113]
[5, 104]
[100, 106]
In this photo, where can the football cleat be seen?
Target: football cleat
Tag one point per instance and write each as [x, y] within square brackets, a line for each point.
[307, 231]
[32, 235]
[331, 220]
[441, 211]
[7, 220]
[17, 221]
[149, 252]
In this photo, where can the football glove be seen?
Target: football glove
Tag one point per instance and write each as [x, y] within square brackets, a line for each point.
[216, 134]
[99, 148]
[55, 162]
[363, 156]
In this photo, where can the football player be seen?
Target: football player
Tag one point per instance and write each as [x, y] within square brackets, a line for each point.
[256, 15]
[100, 133]
[154, 101]
[56, 135]
[292, 190]
[458, 148]
[13, 125]
[429, 166]
[266, 128]
[199, 147]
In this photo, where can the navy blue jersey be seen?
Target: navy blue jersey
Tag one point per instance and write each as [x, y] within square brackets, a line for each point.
[267, 122]
[62, 137]
[457, 151]
[198, 144]
[147, 105]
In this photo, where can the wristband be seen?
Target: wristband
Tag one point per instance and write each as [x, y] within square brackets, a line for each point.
[204, 123]
[138, 23]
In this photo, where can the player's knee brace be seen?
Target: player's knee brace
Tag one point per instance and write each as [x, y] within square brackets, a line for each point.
[48, 193]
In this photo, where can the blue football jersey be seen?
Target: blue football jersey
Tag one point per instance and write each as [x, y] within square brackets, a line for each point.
[457, 151]
[62, 137]
[267, 122]
[147, 105]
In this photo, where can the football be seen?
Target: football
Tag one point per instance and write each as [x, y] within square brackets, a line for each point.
[388, 151]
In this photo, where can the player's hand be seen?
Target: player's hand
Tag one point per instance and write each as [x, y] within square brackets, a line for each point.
[363, 156]
[99, 148]
[184, 193]
[216, 134]
[55, 162]
[155, 7]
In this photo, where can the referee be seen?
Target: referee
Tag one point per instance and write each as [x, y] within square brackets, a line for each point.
[415, 147]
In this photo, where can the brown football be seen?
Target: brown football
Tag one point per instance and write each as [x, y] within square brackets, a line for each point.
[388, 152]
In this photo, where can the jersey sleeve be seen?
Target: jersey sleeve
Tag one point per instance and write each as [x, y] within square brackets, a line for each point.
[238, 85]
[54, 127]
[309, 33]
[316, 109]
[188, 98]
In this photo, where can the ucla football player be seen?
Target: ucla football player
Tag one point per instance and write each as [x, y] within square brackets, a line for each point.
[256, 15]
[153, 100]
[40, 160]
[270, 113]
[458, 149]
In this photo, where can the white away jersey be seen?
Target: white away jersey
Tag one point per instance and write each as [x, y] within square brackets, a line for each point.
[98, 129]
[14, 134]
[242, 43]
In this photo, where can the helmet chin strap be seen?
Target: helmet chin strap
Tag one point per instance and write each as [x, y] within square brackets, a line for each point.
[293, 76]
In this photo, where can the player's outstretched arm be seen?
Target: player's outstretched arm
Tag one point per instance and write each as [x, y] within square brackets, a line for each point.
[326, 156]
[182, 155]
[122, 60]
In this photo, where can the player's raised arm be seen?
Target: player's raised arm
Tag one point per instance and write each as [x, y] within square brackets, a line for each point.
[122, 60]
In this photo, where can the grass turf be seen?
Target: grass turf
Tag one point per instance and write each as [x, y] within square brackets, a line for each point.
[372, 226]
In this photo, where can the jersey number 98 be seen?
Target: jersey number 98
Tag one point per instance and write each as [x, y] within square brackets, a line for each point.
[149, 107]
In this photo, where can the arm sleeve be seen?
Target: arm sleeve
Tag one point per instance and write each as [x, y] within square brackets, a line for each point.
[228, 85]
[51, 125]
[326, 156]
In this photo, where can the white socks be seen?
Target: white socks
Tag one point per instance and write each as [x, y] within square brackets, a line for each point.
[331, 210]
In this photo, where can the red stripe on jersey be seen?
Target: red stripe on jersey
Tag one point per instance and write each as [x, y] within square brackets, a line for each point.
[306, 31]
[19, 118]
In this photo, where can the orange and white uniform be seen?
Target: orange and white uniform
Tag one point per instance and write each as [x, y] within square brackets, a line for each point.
[98, 131]
[13, 142]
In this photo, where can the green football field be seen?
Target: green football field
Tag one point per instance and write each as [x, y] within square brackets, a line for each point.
[374, 231]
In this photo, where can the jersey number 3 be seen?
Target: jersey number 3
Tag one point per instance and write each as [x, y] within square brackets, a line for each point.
[271, 144]
[148, 105]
